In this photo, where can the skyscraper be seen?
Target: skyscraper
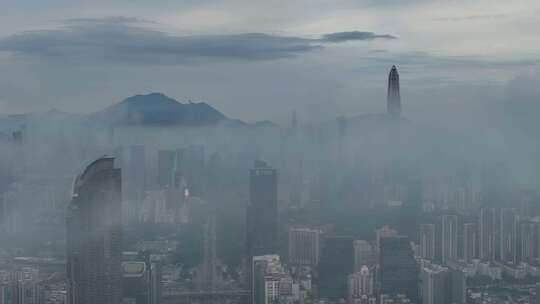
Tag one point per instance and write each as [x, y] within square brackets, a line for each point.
[508, 234]
[208, 274]
[262, 213]
[436, 285]
[304, 245]
[267, 273]
[364, 255]
[527, 240]
[449, 238]
[470, 240]
[337, 262]
[383, 232]
[487, 234]
[398, 270]
[441, 285]
[393, 101]
[94, 272]
[427, 241]
[360, 283]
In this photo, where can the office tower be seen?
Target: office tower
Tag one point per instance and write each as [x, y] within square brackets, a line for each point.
[94, 272]
[398, 270]
[304, 245]
[487, 234]
[208, 278]
[449, 240]
[136, 167]
[393, 101]
[508, 235]
[470, 241]
[136, 282]
[383, 232]
[337, 262]
[360, 283]
[427, 241]
[436, 285]
[262, 222]
[364, 255]
[166, 164]
[527, 240]
[267, 273]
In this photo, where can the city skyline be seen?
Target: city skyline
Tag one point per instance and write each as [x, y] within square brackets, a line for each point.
[442, 64]
[269, 152]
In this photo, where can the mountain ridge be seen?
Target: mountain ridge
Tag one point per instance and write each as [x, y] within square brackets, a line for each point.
[159, 109]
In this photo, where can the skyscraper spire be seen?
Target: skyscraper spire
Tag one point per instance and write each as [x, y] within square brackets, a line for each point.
[393, 101]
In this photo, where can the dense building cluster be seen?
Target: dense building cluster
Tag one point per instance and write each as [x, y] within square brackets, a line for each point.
[254, 215]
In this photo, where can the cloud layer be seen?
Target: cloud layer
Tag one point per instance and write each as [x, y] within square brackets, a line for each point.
[126, 40]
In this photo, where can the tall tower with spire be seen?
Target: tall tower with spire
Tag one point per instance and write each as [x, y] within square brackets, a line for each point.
[393, 101]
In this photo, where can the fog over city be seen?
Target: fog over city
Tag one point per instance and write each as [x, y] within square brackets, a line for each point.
[269, 152]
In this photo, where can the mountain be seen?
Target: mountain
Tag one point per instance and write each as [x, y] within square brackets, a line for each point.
[158, 109]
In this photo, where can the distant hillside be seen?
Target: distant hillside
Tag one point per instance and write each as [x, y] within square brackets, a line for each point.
[158, 109]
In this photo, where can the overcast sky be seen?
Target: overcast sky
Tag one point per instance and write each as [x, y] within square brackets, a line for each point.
[257, 60]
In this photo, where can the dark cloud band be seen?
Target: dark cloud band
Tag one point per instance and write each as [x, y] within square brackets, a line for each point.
[125, 40]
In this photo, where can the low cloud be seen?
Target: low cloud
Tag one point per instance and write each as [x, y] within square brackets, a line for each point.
[126, 40]
[471, 17]
[351, 36]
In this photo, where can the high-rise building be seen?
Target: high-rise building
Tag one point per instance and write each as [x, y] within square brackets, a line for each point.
[393, 101]
[427, 241]
[398, 269]
[487, 234]
[441, 285]
[383, 232]
[360, 284]
[267, 274]
[208, 278]
[527, 240]
[304, 245]
[154, 262]
[337, 262]
[508, 221]
[436, 283]
[165, 166]
[262, 213]
[364, 255]
[449, 240]
[470, 241]
[94, 272]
